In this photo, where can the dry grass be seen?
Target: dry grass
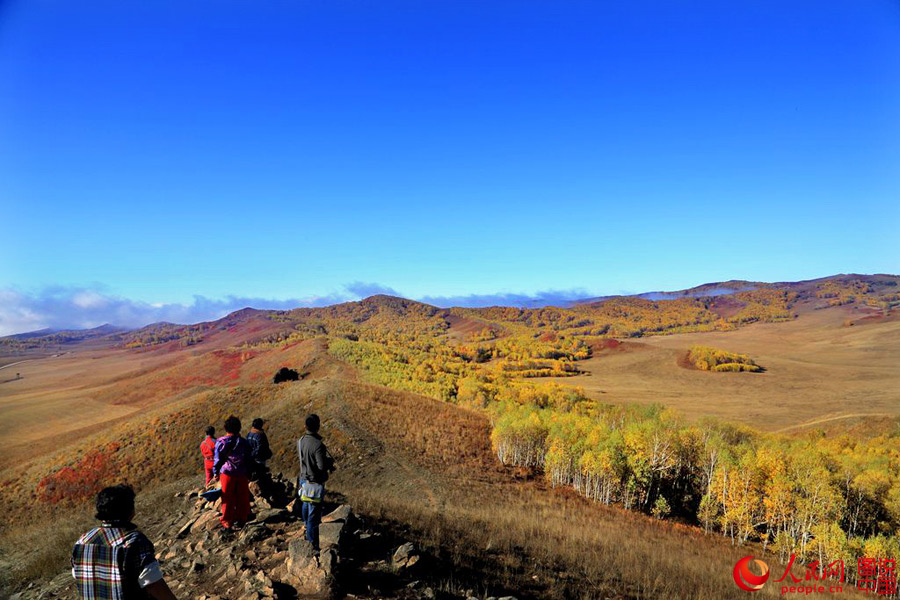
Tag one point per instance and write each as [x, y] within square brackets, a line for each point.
[23, 560]
[428, 466]
[518, 534]
[815, 368]
[401, 460]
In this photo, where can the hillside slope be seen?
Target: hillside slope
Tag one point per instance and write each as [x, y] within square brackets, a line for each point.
[410, 463]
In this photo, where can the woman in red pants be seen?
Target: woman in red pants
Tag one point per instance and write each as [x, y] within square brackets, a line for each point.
[233, 463]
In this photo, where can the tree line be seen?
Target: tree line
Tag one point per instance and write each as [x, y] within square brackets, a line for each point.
[818, 497]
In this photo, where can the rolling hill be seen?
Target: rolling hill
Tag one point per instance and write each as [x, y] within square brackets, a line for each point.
[420, 404]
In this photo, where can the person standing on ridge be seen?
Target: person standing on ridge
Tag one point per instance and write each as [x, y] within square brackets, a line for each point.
[208, 450]
[232, 468]
[315, 465]
[259, 447]
[116, 560]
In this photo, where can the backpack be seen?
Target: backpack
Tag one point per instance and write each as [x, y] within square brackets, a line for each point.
[265, 453]
[262, 450]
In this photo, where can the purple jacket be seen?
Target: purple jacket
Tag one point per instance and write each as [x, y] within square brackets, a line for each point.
[232, 456]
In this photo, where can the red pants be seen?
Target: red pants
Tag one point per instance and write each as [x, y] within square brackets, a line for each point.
[235, 499]
[209, 473]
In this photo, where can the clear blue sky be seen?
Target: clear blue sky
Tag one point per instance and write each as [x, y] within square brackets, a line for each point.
[159, 150]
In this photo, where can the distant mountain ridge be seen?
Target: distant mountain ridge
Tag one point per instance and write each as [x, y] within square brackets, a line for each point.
[362, 309]
[94, 332]
[701, 291]
[734, 286]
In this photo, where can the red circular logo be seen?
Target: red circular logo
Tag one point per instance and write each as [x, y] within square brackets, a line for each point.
[745, 579]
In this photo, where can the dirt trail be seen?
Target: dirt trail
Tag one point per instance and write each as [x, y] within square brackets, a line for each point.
[387, 459]
[829, 419]
[15, 363]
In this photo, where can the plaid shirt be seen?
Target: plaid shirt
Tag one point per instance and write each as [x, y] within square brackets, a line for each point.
[111, 562]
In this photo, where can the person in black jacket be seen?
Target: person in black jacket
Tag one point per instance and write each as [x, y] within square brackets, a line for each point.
[315, 466]
[259, 449]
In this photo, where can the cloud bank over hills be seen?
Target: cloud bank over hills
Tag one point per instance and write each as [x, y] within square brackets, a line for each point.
[538, 299]
[61, 307]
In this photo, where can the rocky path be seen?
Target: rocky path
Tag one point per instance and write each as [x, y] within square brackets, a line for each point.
[270, 559]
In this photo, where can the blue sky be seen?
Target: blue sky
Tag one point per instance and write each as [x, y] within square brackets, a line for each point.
[154, 152]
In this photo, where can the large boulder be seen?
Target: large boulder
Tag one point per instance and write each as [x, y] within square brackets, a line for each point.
[310, 573]
[341, 514]
[331, 535]
[313, 573]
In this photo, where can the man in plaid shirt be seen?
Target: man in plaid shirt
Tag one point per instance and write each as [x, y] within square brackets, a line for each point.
[116, 561]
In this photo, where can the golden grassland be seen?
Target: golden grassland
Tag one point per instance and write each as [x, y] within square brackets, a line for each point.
[402, 459]
[420, 461]
[816, 368]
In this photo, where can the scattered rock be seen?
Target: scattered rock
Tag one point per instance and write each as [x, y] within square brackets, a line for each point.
[273, 515]
[185, 529]
[254, 532]
[208, 521]
[405, 557]
[270, 559]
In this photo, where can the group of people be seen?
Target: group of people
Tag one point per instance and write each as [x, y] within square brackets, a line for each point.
[115, 560]
[260, 452]
[233, 461]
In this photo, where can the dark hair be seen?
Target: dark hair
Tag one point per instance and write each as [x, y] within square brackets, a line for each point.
[312, 423]
[258, 423]
[211, 431]
[115, 504]
[233, 425]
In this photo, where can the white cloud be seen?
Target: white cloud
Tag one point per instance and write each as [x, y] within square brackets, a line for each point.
[79, 308]
[536, 300]
[88, 299]
[84, 307]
